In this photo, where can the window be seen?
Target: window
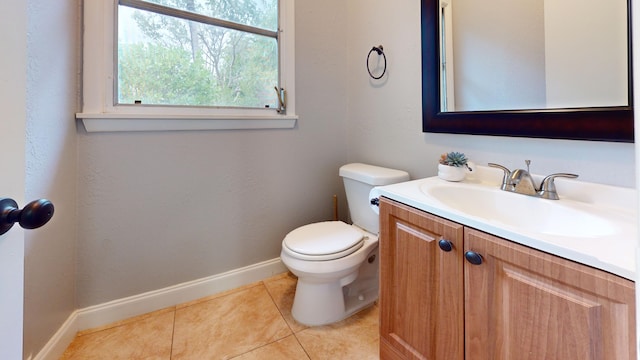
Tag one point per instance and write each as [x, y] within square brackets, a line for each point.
[188, 65]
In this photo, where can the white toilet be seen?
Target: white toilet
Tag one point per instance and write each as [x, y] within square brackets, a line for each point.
[336, 263]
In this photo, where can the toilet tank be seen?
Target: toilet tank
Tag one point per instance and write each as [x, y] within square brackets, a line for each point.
[359, 179]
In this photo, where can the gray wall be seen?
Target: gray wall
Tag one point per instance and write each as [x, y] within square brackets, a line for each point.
[158, 209]
[51, 159]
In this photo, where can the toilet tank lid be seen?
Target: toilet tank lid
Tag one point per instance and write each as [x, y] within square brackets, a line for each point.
[373, 175]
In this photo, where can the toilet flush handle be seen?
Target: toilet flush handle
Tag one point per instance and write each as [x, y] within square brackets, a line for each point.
[375, 202]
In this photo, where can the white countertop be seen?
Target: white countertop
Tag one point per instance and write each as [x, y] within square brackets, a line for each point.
[613, 252]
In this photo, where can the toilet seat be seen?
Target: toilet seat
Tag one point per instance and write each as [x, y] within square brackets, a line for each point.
[323, 241]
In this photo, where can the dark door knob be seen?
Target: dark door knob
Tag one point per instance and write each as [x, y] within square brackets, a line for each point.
[33, 215]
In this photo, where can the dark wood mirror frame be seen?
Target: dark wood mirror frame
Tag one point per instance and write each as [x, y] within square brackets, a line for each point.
[597, 123]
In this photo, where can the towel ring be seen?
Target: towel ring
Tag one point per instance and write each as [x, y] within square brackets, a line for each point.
[377, 49]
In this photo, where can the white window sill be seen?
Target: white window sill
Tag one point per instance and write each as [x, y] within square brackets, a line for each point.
[127, 122]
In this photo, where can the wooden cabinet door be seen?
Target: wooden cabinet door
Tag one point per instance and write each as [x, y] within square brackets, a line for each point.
[523, 304]
[421, 289]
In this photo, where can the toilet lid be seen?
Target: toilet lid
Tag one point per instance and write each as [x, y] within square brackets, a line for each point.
[324, 239]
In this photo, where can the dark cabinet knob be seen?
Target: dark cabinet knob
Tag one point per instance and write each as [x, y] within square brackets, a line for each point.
[473, 257]
[445, 245]
[32, 216]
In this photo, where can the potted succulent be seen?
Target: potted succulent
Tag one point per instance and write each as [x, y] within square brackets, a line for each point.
[453, 166]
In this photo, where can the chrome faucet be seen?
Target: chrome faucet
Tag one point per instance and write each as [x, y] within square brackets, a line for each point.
[505, 178]
[520, 181]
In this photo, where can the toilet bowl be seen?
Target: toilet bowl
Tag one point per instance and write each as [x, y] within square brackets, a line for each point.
[337, 263]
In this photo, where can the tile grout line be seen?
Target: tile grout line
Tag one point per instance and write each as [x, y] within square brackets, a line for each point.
[281, 316]
[286, 322]
[173, 332]
[265, 345]
[302, 346]
[276, 305]
[262, 283]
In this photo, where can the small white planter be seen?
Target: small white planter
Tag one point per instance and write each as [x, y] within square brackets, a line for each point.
[451, 173]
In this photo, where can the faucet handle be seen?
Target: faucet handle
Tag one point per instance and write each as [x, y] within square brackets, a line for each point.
[507, 174]
[548, 186]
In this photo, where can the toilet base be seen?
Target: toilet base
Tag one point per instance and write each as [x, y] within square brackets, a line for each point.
[320, 303]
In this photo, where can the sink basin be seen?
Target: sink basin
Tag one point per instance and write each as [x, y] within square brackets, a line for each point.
[552, 217]
[592, 224]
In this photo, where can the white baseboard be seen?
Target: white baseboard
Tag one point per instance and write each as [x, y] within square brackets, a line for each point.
[56, 346]
[107, 313]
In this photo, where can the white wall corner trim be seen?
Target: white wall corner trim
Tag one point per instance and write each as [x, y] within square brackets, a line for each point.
[116, 310]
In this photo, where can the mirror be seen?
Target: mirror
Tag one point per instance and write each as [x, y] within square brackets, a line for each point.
[534, 68]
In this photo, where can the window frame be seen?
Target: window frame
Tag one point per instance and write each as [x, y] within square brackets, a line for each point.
[100, 112]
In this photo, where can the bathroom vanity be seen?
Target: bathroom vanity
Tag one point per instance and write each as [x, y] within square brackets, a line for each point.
[457, 286]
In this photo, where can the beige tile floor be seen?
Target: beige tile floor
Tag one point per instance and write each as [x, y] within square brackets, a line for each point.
[251, 322]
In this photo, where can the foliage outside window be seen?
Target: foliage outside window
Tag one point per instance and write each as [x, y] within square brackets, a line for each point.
[165, 59]
[188, 65]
